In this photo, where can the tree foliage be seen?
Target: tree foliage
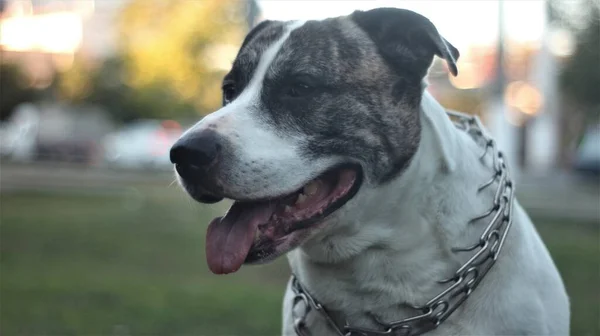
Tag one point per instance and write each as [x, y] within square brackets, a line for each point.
[167, 58]
[103, 86]
[580, 76]
[174, 44]
[13, 89]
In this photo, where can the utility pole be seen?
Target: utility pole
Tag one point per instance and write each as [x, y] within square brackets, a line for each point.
[500, 78]
[499, 90]
[504, 133]
[252, 13]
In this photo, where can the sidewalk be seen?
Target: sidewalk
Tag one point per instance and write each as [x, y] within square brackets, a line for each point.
[560, 196]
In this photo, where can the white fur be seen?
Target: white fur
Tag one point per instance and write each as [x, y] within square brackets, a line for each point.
[389, 245]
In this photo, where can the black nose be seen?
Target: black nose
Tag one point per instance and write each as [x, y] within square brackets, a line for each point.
[194, 152]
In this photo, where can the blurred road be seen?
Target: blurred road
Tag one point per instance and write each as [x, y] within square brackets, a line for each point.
[555, 196]
[41, 177]
[560, 196]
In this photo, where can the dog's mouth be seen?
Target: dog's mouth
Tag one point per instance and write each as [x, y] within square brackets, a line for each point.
[259, 231]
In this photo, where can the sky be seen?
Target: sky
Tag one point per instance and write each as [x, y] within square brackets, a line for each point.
[463, 23]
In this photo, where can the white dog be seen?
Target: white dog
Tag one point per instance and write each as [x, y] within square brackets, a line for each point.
[336, 155]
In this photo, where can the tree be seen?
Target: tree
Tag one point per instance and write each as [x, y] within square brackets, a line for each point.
[165, 64]
[13, 89]
[580, 77]
[174, 44]
[104, 86]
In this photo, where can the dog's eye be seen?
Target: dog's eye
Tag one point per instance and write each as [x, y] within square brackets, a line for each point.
[228, 93]
[299, 89]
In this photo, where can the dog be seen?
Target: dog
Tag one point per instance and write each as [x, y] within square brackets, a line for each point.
[335, 154]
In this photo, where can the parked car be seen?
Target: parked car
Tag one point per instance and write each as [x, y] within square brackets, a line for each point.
[68, 150]
[587, 157]
[142, 144]
[18, 135]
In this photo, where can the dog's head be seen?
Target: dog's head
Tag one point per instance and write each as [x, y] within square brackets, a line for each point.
[312, 113]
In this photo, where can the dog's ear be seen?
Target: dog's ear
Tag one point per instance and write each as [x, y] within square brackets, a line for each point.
[406, 40]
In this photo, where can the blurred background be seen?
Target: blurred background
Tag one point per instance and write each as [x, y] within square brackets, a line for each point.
[97, 239]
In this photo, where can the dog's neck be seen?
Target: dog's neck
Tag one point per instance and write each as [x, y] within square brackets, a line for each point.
[398, 243]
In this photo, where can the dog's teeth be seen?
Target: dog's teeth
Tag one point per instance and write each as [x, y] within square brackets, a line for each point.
[301, 199]
[257, 235]
[274, 217]
[287, 208]
[311, 188]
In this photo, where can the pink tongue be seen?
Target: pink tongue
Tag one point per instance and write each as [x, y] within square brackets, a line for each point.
[229, 238]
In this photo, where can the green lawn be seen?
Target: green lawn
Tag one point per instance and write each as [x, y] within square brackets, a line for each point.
[131, 262]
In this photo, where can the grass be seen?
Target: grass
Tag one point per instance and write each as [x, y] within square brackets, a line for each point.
[131, 262]
[575, 248]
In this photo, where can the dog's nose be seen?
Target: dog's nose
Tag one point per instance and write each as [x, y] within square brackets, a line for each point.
[194, 152]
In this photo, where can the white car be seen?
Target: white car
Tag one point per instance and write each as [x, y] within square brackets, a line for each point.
[142, 144]
[18, 135]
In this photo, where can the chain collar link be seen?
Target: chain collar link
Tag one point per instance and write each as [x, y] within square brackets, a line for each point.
[431, 314]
